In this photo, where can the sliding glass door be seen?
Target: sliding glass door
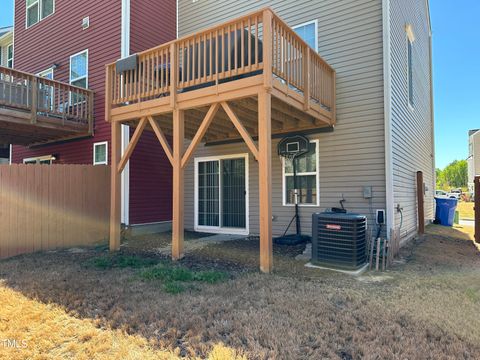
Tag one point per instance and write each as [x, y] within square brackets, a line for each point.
[221, 194]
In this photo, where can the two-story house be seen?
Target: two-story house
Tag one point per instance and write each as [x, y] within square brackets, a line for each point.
[6, 60]
[354, 77]
[473, 159]
[72, 42]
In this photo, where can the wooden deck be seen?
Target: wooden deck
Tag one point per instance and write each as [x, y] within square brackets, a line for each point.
[248, 79]
[35, 110]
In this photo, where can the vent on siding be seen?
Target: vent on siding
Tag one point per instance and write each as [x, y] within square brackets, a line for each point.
[339, 240]
[86, 23]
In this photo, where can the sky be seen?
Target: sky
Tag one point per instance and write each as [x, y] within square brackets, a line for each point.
[456, 66]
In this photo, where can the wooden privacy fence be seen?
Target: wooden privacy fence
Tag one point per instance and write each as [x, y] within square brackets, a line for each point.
[45, 207]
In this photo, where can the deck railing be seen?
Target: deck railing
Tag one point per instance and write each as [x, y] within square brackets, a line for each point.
[225, 52]
[45, 97]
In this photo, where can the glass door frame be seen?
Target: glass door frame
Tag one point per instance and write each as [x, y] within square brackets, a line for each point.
[219, 229]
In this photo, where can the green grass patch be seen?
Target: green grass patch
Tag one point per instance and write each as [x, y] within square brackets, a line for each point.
[120, 261]
[173, 276]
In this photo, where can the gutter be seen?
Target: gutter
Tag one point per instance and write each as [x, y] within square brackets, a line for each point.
[387, 98]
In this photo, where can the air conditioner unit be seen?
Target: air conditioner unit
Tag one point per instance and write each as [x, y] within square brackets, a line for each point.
[339, 240]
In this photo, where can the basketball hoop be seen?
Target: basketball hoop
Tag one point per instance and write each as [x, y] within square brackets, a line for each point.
[291, 148]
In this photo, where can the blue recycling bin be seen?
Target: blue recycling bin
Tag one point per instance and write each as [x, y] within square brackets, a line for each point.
[445, 210]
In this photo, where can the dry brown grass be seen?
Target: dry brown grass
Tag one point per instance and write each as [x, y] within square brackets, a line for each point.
[424, 308]
[465, 210]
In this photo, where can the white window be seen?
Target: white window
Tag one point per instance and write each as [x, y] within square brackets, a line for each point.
[47, 94]
[79, 69]
[307, 179]
[309, 33]
[10, 56]
[78, 74]
[42, 160]
[38, 10]
[100, 153]
[410, 40]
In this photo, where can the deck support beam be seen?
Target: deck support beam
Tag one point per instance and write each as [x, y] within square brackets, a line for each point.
[178, 184]
[115, 189]
[132, 144]
[265, 179]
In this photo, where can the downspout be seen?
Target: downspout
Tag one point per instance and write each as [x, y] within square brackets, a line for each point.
[13, 42]
[125, 135]
[387, 98]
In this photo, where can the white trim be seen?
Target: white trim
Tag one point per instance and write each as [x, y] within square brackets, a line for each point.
[106, 153]
[40, 158]
[11, 154]
[316, 30]
[177, 19]
[125, 129]
[387, 101]
[219, 229]
[317, 173]
[40, 18]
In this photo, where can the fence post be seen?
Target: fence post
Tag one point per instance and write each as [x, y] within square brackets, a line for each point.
[420, 203]
[477, 208]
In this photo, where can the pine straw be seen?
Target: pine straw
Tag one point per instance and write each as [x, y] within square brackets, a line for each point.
[426, 308]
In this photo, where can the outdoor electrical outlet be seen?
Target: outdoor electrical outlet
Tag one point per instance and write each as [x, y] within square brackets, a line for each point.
[367, 192]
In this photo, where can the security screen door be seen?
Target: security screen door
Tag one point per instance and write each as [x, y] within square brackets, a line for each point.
[221, 193]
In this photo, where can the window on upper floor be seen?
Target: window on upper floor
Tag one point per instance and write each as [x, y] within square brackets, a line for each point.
[10, 56]
[78, 74]
[309, 33]
[410, 40]
[38, 10]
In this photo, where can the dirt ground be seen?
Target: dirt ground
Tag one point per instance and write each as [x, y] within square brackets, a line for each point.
[425, 306]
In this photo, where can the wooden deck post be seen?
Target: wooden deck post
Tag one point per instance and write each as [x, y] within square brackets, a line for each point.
[477, 208]
[115, 188]
[178, 188]
[420, 203]
[265, 179]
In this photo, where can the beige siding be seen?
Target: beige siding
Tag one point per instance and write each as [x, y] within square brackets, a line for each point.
[412, 132]
[350, 39]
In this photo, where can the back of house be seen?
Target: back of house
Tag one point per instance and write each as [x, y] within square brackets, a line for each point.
[383, 135]
[72, 43]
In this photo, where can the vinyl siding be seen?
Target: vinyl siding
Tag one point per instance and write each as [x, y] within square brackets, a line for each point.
[350, 39]
[412, 135]
[150, 169]
[52, 41]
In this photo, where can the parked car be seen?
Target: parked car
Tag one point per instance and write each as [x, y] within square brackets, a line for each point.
[455, 194]
[441, 194]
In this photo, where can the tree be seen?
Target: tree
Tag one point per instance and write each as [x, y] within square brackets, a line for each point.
[454, 175]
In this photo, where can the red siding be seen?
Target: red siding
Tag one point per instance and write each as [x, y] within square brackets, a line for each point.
[54, 39]
[152, 23]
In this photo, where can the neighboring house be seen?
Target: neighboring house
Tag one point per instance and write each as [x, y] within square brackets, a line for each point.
[473, 157]
[72, 42]
[381, 52]
[6, 60]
